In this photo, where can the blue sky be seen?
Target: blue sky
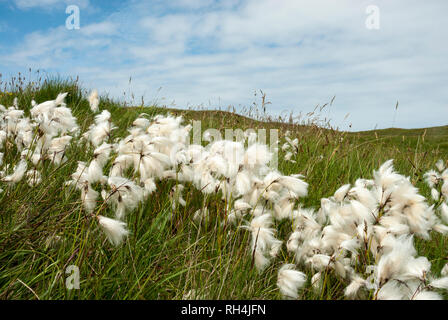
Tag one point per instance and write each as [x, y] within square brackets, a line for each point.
[208, 53]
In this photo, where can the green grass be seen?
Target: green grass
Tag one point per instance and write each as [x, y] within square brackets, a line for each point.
[167, 254]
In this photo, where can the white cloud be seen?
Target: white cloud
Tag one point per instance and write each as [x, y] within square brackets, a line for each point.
[191, 4]
[26, 4]
[49, 4]
[102, 28]
[300, 53]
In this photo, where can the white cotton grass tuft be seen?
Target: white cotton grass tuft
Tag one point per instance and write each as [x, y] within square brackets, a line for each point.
[427, 295]
[115, 230]
[89, 198]
[444, 212]
[353, 289]
[125, 195]
[94, 101]
[435, 194]
[440, 165]
[298, 187]
[290, 281]
[444, 271]
[441, 283]
[291, 147]
[17, 175]
[432, 178]
[341, 193]
[317, 282]
[264, 244]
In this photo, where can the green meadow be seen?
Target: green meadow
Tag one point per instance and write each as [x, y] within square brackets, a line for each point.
[44, 229]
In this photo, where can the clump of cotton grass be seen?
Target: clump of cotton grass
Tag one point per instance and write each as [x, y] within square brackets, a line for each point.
[290, 147]
[17, 174]
[115, 230]
[264, 243]
[353, 290]
[101, 130]
[290, 281]
[100, 157]
[151, 150]
[363, 234]
[44, 135]
[374, 220]
[94, 101]
[437, 180]
[124, 194]
[80, 180]
[57, 148]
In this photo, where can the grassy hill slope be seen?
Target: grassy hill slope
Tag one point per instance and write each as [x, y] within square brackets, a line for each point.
[43, 229]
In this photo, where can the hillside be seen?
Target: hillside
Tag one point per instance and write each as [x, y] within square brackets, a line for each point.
[168, 254]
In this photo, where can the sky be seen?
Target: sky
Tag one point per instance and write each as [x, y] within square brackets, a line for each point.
[212, 54]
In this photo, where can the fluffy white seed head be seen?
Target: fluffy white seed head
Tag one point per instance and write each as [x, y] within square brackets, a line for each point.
[94, 100]
[115, 230]
[290, 281]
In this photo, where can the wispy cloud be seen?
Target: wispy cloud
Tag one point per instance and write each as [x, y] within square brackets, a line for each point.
[101, 28]
[49, 4]
[301, 53]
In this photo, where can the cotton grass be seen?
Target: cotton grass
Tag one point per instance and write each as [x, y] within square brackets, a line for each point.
[363, 234]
